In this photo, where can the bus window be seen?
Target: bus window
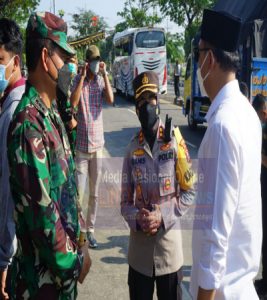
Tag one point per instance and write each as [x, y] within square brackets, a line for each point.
[150, 39]
[130, 45]
[125, 47]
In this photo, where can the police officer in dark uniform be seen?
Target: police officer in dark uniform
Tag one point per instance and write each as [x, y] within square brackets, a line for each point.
[155, 193]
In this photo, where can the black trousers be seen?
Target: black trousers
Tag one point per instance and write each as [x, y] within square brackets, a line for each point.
[264, 222]
[141, 287]
[176, 86]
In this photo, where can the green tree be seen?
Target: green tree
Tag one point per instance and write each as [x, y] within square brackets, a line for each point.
[186, 13]
[18, 10]
[136, 14]
[174, 45]
[3, 3]
[105, 47]
[121, 26]
[84, 23]
[61, 13]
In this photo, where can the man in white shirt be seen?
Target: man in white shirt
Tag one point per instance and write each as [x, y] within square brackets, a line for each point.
[227, 229]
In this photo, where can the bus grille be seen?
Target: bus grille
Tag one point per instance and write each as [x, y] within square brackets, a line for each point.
[151, 65]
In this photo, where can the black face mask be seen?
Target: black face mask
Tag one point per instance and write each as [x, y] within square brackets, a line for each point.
[148, 116]
[64, 80]
[65, 77]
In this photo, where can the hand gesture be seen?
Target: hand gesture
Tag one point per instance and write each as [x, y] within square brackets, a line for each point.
[72, 123]
[150, 221]
[3, 294]
[154, 220]
[84, 70]
[141, 218]
[102, 68]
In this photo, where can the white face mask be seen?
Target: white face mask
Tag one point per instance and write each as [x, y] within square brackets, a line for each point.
[94, 66]
[201, 80]
[3, 81]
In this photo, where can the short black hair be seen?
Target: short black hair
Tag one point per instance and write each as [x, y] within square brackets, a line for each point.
[11, 37]
[243, 88]
[228, 61]
[34, 49]
[258, 102]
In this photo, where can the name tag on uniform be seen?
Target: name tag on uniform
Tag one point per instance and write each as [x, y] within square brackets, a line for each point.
[138, 160]
[164, 156]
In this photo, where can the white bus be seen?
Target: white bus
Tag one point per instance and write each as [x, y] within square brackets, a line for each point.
[137, 50]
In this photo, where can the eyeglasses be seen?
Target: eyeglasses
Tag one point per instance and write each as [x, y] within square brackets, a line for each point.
[196, 52]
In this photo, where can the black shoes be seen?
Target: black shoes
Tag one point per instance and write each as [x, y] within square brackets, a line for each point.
[91, 240]
[261, 288]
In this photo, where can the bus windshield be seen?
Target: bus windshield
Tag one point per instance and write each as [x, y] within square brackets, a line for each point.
[150, 39]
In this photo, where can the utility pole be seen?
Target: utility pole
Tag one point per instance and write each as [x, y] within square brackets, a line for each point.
[54, 6]
[154, 13]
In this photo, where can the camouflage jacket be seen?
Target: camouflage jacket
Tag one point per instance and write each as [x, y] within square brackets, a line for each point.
[42, 183]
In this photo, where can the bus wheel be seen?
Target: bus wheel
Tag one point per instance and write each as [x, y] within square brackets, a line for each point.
[192, 124]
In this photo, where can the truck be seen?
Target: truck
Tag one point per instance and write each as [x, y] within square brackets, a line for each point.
[253, 58]
[195, 105]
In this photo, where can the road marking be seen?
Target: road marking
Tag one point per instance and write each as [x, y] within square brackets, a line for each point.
[191, 145]
[132, 111]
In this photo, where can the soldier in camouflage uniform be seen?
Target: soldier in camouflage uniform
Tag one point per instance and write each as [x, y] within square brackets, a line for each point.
[49, 259]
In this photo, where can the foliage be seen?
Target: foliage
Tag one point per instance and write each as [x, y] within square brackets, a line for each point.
[136, 14]
[189, 34]
[18, 10]
[121, 26]
[186, 13]
[183, 12]
[3, 3]
[105, 47]
[61, 13]
[83, 23]
[174, 47]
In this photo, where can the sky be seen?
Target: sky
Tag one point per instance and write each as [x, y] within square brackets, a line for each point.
[105, 8]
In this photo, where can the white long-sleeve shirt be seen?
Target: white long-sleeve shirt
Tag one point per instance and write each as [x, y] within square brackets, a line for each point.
[227, 247]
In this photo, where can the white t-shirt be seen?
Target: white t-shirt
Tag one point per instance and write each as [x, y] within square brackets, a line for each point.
[177, 70]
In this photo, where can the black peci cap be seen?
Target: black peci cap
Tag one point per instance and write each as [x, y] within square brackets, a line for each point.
[221, 30]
